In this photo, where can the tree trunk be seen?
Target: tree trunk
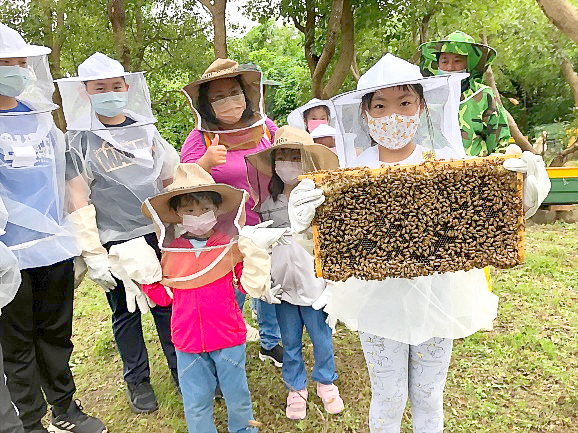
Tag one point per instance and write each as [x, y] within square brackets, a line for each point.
[331, 38]
[117, 17]
[563, 15]
[217, 9]
[571, 77]
[219, 25]
[520, 139]
[346, 53]
[138, 56]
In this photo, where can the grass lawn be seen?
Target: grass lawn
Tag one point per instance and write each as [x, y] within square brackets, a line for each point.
[520, 377]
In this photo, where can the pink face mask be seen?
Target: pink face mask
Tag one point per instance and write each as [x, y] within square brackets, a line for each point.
[199, 225]
[229, 110]
[312, 124]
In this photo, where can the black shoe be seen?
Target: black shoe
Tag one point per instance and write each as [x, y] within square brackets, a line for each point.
[175, 377]
[141, 397]
[275, 355]
[76, 421]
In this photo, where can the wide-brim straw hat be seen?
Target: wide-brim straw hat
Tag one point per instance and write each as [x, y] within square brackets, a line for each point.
[289, 137]
[192, 178]
[226, 68]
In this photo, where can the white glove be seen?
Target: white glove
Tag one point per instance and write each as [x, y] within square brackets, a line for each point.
[137, 259]
[99, 271]
[265, 237]
[134, 294]
[536, 182]
[273, 296]
[256, 275]
[303, 201]
[322, 301]
[80, 270]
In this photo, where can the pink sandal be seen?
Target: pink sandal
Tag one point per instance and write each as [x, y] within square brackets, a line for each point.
[329, 395]
[296, 404]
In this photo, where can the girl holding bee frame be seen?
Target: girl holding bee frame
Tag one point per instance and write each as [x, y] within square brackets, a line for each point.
[407, 326]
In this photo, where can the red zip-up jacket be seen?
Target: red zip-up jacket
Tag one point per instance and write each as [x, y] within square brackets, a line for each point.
[207, 318]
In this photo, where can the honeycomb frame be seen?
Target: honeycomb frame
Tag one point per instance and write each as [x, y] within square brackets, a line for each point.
[407, 221]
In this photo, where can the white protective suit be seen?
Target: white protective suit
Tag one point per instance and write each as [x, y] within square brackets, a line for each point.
[32, 165]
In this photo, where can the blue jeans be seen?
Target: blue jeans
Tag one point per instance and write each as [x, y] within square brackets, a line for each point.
[269, 333]
[198, 374]
[292, 319]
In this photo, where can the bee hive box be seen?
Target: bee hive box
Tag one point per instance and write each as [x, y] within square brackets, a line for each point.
[414, 220]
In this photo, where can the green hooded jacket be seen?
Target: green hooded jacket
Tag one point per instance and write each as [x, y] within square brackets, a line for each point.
[483, 121]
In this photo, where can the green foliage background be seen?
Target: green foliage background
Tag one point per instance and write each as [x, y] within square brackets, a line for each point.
[176, 46]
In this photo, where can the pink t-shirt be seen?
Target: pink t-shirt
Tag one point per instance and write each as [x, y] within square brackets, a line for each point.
[234, 171]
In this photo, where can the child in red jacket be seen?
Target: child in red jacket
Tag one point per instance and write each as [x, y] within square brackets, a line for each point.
[203, 263]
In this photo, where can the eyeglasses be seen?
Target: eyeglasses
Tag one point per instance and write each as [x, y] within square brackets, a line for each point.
[236, 92]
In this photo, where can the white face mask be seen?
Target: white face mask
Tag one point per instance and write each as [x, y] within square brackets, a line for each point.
[199, 225]
[109, 104]
[395, 131]
[13, 80]
[288, 171]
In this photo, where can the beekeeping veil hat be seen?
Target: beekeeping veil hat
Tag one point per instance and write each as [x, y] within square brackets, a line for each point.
[296, 118]
[38, 94]
[186, 263]
[76, 103]
[261, 165]
[32, 164]
[439, 127]
[479, 56]
[253, 119]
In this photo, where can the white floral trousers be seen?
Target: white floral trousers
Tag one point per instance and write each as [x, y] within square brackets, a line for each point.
[397, 370]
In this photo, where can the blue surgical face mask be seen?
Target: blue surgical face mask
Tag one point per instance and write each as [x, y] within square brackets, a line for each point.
[109, 104]
[13, 80]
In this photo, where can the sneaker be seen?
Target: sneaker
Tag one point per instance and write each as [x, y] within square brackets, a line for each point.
[329, 395]
[275, 355]
[296, 404]
[74, 420]
[252, 333]
[141, 397]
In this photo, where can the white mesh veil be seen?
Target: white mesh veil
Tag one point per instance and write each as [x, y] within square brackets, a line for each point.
[76, 102]
[297, 120]
[439, 127]
[32, 165]
[189, 262]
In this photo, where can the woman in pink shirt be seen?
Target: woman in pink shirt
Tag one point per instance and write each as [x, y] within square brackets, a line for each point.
[230, 123]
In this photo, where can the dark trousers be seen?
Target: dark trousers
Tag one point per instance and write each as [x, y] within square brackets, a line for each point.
[35, 333]
[10, 422]
[127, 329]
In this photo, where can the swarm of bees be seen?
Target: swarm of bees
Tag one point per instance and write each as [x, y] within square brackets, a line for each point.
[417, 220]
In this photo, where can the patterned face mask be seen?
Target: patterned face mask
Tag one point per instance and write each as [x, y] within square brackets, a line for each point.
[393, 132]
